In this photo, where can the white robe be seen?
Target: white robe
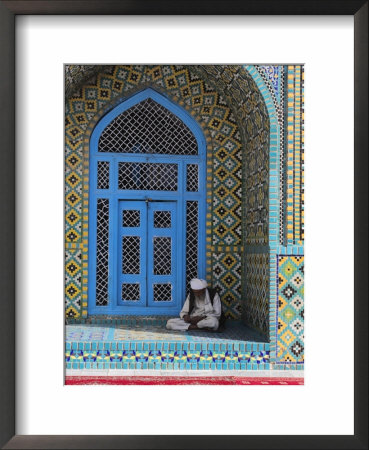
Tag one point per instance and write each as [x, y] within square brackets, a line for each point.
[202, 307]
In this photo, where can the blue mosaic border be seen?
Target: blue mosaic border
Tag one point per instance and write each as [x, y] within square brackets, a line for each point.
[167, 355]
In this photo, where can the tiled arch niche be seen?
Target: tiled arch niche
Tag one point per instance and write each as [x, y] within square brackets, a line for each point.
[227, 103]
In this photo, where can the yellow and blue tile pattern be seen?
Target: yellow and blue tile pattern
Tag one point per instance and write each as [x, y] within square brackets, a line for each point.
[290, 331]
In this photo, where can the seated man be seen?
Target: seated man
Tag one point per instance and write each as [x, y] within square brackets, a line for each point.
[202, 309]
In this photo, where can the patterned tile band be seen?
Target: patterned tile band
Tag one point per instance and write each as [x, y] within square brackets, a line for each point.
[142, 355]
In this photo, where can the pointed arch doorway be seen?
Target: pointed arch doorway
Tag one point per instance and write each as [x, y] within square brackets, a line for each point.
[147, 207]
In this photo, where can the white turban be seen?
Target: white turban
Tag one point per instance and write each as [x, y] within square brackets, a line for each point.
[197, 284]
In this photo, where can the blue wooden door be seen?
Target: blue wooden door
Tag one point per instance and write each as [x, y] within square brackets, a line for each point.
[147, 207]
[147, 258]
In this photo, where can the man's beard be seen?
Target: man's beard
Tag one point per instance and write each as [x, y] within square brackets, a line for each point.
[200, 296]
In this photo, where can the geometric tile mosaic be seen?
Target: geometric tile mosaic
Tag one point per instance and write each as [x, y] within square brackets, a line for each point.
[290, 331]
[274, 79]
[294, 156]
[168, 355]
[73, 288]
[256, 310]
[226, 269]
[235, 82]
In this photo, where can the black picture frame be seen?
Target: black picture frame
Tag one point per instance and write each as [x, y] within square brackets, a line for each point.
[8, 12]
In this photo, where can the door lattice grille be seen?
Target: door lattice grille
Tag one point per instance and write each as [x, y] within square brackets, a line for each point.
[162, 255]
[131, 218]
[162, 219]
[148, 176]
[192, 183]
[148, 127]
[162, 292]
[131, 292]
[131, 255]
[102, 251]
[192, 228]
[103, 174]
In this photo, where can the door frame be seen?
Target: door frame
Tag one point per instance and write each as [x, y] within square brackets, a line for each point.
[114, 195]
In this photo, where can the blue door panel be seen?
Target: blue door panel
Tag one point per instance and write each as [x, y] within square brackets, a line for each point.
[163, 232]
[132, 244]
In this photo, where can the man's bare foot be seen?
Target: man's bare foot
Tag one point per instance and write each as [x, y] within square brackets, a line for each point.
[192, 327]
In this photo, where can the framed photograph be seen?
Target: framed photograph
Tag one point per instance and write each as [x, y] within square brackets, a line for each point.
[180, 232]
[166, 201]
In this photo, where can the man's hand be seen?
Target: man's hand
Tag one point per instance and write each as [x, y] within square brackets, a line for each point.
[187, 318]
[195, 320]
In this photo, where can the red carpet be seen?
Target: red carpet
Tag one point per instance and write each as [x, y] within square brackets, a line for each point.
[160, 380]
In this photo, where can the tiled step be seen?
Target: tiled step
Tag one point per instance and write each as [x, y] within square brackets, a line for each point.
[167, 355]
[122, 320]
[103, 346]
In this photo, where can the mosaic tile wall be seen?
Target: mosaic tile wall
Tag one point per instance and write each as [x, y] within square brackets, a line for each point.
[274, 79]
[256, 311]
[190, 87]
[73, 279]
[290, 316]
[250, 111]
[294, 156]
